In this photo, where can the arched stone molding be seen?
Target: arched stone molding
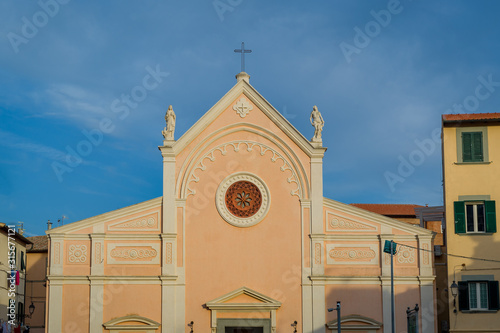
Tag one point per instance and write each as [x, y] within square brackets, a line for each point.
[132, 323]
[284, 153]
[264, 150]
[355, 323]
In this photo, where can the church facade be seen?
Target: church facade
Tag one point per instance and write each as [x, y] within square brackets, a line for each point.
[242, 240]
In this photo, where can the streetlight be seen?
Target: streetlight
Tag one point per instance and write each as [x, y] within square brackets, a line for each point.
[454, 293]
[31, 309]
[338, 315]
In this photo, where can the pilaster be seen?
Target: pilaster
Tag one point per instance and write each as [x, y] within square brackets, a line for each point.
[426, 256]
[319, 307]
[56, 254]
[96, 305]
[54, 316]
[169, 221]
[427, 308]
[97, 257]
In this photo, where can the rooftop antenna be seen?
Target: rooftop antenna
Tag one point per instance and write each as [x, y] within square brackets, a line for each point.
[20, 227]
[61, 220]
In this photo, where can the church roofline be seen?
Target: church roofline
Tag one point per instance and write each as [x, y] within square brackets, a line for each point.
[108, 216]
[414, 229]
[243, 86]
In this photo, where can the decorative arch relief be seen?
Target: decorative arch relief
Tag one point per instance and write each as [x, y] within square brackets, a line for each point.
[338, 223]
[133, 253]
[132, 323]
[250, 146]
[77, 254]
[147, 222]
[405, 255]
[352, 254]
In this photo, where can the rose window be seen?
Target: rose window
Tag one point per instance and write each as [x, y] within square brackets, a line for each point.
[242, 199]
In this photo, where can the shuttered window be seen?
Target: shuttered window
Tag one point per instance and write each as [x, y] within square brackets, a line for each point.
[478, 296]
[472, 147]
[475, 217]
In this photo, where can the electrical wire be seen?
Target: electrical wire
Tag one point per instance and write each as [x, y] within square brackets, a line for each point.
[449, 254]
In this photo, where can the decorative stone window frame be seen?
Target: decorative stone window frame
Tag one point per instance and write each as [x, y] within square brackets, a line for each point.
[369, 325]
[220, 199]
[147, 324]
[266, 304]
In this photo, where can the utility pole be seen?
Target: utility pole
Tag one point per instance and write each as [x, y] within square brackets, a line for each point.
[390, 247]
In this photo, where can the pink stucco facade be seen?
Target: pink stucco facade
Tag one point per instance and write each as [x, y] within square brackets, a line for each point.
[186, 257]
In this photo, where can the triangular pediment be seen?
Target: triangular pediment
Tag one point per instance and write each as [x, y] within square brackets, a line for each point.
[362, 216]
[140, 222]
[243, 299]
[243, 88]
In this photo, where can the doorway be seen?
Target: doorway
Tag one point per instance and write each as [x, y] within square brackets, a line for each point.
[244, 325]
[244, 330]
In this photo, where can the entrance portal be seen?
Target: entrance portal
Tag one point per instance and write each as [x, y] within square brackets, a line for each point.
[243, 325]
[244, 330]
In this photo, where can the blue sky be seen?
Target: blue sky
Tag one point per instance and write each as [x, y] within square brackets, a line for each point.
[65, 66]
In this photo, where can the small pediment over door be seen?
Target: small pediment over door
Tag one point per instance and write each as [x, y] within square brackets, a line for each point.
[243, 299]
[132, 323]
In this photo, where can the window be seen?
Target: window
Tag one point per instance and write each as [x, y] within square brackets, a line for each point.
[478, 296]
[23, 264]
[475, 217]
[472, 145]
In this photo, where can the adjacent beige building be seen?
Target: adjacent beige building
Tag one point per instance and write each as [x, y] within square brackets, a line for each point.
[471, 168]
[36, 282]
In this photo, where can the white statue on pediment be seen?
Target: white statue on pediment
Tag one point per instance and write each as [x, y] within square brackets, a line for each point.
[318, 123]
[168, 132]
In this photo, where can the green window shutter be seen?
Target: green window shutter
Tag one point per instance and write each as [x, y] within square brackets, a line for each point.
[23, 264]
[493, 302]
[491, 221]
[463, 295]
[477, 146]
[466, 147]
[459, 217]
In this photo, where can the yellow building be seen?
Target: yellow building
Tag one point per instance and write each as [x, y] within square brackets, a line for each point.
[12, 260]
[471, 170]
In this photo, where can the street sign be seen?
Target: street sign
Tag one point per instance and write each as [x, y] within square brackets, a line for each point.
[387, 247]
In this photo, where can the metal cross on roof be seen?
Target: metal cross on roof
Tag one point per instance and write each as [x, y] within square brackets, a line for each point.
[242, 51]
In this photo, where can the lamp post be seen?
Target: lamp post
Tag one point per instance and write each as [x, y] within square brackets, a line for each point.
[454, 293]
[338, 315]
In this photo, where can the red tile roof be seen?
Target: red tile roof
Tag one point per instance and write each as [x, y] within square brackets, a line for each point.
[390, 209]
[40, 244]
[471, 116]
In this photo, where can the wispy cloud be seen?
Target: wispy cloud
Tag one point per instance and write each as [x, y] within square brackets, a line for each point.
[14, 141]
